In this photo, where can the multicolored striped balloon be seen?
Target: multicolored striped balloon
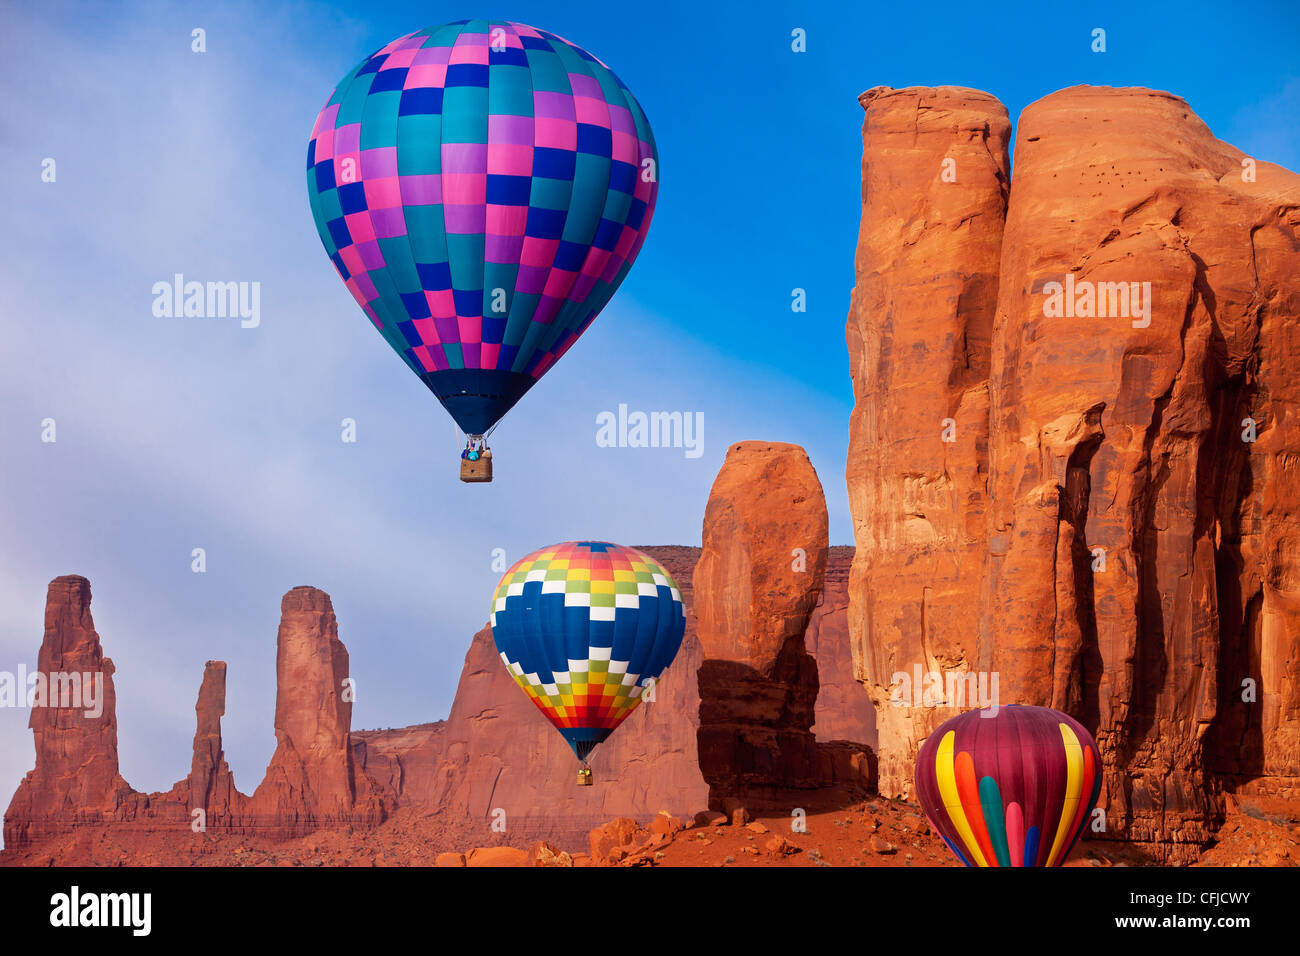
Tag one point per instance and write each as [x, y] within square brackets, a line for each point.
[1013, 788]
[584, 627]
[482, 188]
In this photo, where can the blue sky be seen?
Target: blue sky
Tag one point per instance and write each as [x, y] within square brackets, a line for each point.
[184, 433]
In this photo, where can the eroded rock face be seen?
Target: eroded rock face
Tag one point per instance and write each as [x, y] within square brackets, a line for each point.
[1139, 451]
[844, 710]
[765, 539]
[919, 337]
[1115, 436]
[400, 761]
[210, 787]
[758, 580]
[311, 779]
[76, 779]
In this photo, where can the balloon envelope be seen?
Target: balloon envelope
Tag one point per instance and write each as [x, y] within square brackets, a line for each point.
[583, 627]
[482, 188]
[1013, 788]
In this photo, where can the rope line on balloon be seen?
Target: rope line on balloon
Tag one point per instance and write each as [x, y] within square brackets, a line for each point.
[465, 436]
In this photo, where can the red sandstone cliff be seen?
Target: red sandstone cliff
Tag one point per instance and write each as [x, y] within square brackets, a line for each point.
[1078, 437]
[75, 780]
[919, 336]
[758, 582]
[210, 787]
[311, 779]
[844, 711]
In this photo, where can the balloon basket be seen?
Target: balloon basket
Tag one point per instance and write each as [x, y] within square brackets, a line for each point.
[584, 777]
[476, 471]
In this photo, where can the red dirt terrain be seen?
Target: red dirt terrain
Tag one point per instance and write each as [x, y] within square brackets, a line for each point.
[872, 832]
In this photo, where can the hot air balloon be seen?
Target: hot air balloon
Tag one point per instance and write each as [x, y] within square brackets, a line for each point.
[482, 189]
[1011, 786]
[585, 628]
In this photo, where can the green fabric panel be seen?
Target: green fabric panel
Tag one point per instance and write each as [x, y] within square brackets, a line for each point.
[547, 193]
[643, 132]
[401, 265]
[341, 90]
[995, 819]
[444, 35]
[427, 234]
[523, 305]
[591, 184]
[464, 114]
[419, 144]
[379, 119]
[465, 254]
[315, 198]
[548, 73]
[510, 90]
[455, 358]
[498, 275]
[329, 205]
[354, 101]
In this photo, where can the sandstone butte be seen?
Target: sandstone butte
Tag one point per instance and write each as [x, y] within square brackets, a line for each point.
[1067, 501]
[494, 752]
[1071, 501]
[758, 581]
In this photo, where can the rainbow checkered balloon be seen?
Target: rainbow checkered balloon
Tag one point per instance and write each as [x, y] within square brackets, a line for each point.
[1013, 787]
[584, 628]
[482, 189]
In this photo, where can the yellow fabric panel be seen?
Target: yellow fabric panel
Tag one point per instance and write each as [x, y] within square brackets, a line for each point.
[946, 777]
[1073, 777]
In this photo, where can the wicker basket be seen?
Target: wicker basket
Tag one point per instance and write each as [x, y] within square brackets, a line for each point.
[480, 470]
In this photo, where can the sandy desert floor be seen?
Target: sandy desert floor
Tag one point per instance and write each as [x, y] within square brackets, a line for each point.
[870, 832]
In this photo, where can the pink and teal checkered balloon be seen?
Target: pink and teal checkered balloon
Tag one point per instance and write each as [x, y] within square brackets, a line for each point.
[482, 189]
